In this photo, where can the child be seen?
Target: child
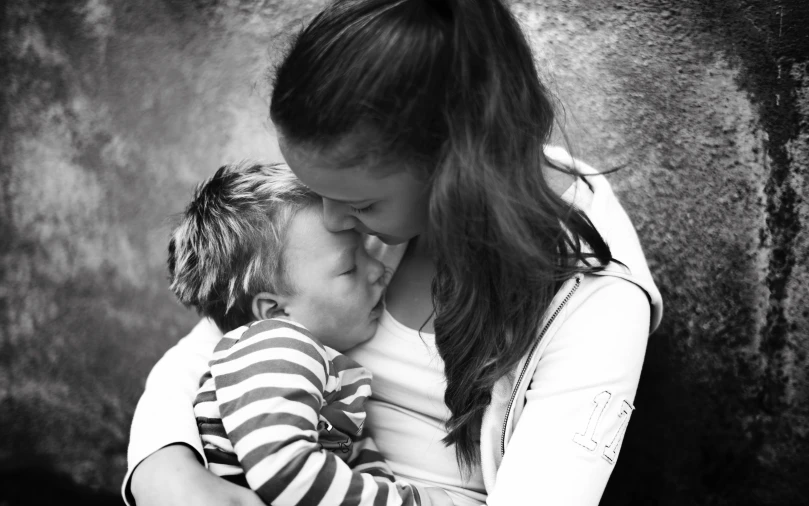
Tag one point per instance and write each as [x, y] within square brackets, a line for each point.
[280, 410]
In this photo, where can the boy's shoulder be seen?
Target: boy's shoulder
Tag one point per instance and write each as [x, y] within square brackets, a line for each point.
[279, 334]
[289, 334]
[273, 325]
[276, 332]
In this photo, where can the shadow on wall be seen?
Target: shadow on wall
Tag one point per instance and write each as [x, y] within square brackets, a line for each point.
[111, 111]
[724, 397]
[35, 487]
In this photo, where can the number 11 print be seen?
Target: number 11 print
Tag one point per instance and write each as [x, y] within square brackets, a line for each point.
[587, 438]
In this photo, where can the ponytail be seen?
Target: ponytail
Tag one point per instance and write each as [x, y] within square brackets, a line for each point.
[450, 87]
[503, 240]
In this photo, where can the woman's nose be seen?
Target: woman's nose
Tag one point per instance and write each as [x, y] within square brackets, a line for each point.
[335, 218]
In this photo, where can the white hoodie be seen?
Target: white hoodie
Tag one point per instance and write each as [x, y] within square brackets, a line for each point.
[554, 428]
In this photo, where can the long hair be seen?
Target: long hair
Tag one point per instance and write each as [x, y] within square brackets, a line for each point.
[449, 86]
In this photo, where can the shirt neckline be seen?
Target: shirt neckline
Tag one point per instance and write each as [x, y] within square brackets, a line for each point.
[388, 321]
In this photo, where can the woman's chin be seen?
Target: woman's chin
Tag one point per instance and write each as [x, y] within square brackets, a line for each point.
[390, 240]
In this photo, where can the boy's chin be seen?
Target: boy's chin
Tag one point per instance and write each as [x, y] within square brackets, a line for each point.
[370, 333]
[345, 346]
[366, 335]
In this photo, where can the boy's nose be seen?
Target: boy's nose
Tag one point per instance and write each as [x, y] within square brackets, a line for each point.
[335, 219]
[376, 271]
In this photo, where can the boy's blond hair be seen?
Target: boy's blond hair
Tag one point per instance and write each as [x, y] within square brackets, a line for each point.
[229, 243]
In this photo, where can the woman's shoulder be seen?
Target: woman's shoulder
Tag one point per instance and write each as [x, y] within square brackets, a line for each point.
[597, 297]
[604, 327]
[602, 296]
[593, 195]
[594, 309]
[593, 315]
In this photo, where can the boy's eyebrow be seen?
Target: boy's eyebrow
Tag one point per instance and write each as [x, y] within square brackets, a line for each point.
[347, 254]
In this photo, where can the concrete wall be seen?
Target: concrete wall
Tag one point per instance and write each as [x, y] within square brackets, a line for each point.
[112, 110]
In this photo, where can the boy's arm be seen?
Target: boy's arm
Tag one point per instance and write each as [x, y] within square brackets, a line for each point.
[365, 458]
[269, 388]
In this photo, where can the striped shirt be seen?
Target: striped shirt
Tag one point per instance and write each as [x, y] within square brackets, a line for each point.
[283, 414]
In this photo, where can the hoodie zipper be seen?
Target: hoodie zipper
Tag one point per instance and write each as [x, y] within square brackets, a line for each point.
[528, 361]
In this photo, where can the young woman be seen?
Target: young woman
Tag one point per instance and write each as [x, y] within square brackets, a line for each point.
[508, 357]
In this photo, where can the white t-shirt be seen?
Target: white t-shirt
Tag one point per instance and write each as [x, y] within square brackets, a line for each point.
[406, 412]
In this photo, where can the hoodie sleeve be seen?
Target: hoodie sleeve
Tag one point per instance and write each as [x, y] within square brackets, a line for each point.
[165, 414]
[579, 403]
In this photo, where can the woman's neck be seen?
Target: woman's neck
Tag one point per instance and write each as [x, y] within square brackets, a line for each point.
[409, 296]
[419, 247]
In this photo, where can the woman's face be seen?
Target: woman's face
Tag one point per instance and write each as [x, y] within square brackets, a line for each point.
[392, 206]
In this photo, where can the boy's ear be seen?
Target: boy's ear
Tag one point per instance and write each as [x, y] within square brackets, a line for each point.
[265, 306]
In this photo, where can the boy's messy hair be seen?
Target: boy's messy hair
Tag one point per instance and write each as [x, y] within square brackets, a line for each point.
[229, 243]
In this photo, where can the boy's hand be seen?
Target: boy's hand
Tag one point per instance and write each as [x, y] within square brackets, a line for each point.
[438, 497]
[172, 476]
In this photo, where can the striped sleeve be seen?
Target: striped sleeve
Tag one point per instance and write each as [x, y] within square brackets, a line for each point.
[365, 458]
[269, 387]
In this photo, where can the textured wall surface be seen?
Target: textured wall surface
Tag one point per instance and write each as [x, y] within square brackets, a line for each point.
[111, 110]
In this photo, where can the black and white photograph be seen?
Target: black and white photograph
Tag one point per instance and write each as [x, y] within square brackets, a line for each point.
[404, 252]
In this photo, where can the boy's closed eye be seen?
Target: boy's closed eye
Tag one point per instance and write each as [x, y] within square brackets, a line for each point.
[347, 261]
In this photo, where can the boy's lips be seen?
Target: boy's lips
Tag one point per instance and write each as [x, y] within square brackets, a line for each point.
[377, 310]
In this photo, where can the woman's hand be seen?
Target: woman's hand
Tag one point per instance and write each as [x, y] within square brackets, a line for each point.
[438, 497]
[172, 476]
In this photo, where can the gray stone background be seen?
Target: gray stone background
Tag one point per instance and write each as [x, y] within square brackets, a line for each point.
[113, 109]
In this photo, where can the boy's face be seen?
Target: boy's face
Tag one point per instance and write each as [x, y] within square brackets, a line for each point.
[337, 286]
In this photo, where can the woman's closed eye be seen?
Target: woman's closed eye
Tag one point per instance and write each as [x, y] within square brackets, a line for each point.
[360, 210]
[350, 271]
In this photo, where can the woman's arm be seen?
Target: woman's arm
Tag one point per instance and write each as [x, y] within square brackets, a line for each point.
[165, 417]
[173, 476]
[579, 403]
